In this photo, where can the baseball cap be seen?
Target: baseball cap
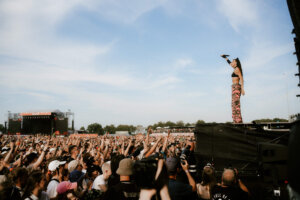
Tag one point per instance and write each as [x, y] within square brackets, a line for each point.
[53, 165]
[65, 186]
[125, 167]
[72, 165]
[76, 176]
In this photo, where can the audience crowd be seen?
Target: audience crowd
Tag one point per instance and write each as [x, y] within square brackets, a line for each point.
[110, 167]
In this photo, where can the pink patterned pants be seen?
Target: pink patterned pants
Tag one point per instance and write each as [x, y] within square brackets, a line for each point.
[235, 103]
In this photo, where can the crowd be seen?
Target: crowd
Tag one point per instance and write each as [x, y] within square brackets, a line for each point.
[107, 167]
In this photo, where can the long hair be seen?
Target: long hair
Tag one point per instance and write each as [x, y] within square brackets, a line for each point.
[34, 178]
[238, 63]
[208, 177]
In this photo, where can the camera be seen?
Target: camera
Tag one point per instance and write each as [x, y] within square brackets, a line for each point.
[185, 154]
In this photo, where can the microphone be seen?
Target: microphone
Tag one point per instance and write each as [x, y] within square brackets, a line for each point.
[224, 56]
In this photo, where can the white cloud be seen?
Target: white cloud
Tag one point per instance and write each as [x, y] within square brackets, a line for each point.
[28, 31]
[261, 53]
[124, 11]
[183, 62]
[239, 13]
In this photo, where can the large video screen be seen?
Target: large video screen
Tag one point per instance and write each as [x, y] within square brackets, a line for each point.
[34, 125]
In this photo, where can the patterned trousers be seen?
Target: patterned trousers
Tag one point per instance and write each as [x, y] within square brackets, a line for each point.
[235, 103]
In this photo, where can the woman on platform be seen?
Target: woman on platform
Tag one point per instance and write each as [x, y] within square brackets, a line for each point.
[237, 88]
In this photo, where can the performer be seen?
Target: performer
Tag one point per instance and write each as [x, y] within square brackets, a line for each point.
[237, 88]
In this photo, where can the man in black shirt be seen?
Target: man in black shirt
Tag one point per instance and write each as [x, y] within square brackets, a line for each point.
[179, 190]
[229, 190]
[126, 189]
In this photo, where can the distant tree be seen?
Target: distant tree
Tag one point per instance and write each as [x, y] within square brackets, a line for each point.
[82, 128]
[129, 128]
[280, 120]
[200, 122]
[270, 120]
[110, 128]
[95, 128]
[132, 129]
[154, 126]
[187, 125]
[170, 124]
[180, 123]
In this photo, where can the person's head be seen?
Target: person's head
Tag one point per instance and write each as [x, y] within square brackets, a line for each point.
[106, 170]
[72, 195]
[115, 163]
[74, 165]
[172, 164]
[236, 63]
[8, 191]
[32, 158]
[125, 167]
[93, 171]
[65, 187]
[73, 149]
[35, 181]
[54, 166]
[19, 176]
[208, 175]
[228, 177]
[50, 153]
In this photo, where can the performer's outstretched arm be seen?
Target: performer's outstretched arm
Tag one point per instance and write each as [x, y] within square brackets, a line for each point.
[228, 61]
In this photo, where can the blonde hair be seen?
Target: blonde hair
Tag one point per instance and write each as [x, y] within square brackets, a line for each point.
[105, 167]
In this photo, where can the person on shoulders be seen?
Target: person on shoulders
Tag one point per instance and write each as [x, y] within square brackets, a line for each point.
[208, 182]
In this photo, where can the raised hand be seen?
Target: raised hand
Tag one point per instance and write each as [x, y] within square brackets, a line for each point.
[243, 92]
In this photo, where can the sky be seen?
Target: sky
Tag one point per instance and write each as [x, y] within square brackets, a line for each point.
[143, 61]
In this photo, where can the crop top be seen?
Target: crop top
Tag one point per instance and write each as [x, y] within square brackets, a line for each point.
[233, 74]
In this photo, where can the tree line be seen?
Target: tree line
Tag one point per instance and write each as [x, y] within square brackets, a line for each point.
[111, 129]
[97, 128]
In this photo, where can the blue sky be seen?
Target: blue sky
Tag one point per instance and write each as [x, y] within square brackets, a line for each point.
[144, 61]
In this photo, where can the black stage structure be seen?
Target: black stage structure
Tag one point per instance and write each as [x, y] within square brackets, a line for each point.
[259, 154]
[48, 122]
[294, 8]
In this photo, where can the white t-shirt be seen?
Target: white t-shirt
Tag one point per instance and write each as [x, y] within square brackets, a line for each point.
[98, 181]
[141, 155]
[51, 189]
